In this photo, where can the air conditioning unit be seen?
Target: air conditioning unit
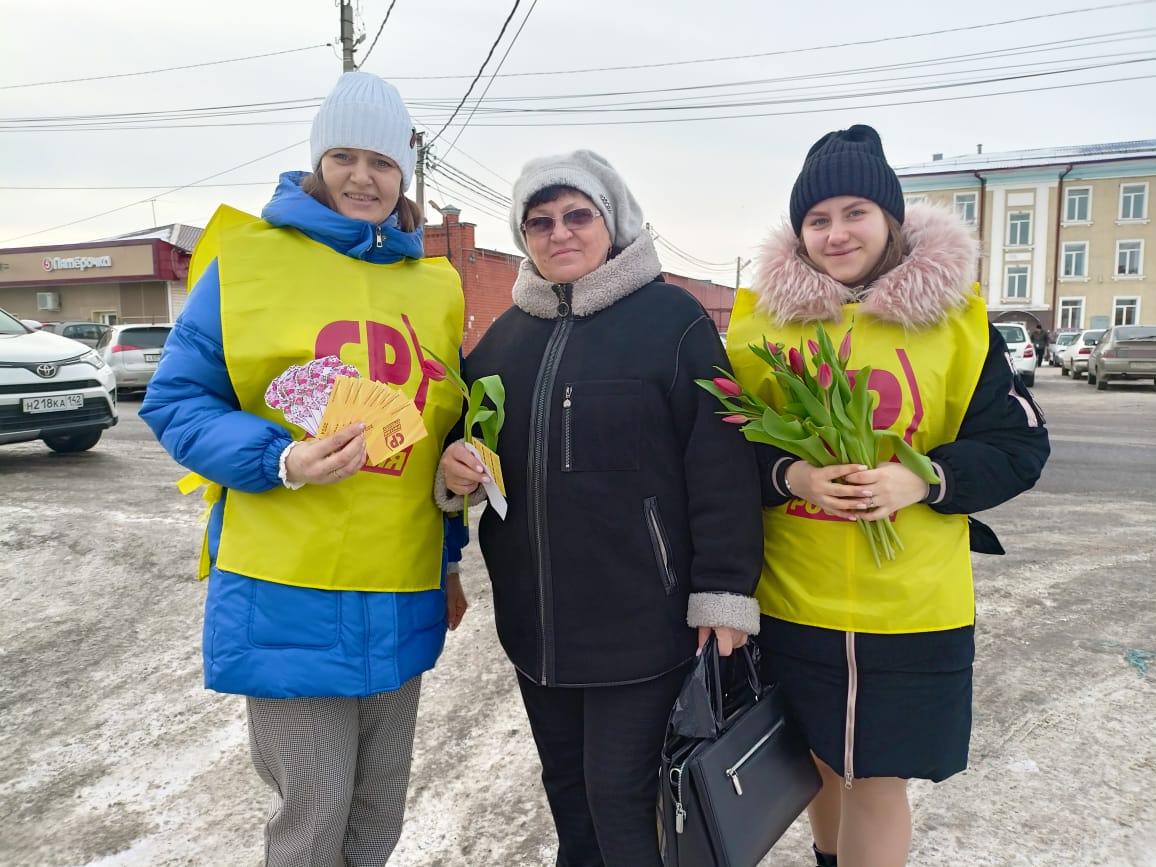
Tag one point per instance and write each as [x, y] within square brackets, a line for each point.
[48, 301]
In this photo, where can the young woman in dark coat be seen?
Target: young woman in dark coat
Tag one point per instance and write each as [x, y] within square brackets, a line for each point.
[876, 661]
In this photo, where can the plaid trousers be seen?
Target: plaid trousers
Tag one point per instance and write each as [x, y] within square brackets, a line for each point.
[339, 769]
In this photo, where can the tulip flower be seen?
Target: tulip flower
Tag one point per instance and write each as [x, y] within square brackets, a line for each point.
[488, 418]
[823, 420]
[795, 360]
[435, 370]
[845, 349]
[825, 376]
[727, 386]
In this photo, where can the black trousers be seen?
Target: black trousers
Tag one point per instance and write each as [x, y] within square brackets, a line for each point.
[600, 748]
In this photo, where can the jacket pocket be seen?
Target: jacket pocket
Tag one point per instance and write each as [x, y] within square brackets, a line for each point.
[601, 425]
[660, 544]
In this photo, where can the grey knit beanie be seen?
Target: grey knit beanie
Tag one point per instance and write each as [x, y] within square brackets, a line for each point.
[365, 111]
[591, 175]
[846, 162]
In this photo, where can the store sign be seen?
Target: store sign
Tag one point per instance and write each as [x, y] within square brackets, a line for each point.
[76, 263]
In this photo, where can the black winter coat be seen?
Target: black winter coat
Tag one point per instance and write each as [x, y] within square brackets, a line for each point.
[626, 491]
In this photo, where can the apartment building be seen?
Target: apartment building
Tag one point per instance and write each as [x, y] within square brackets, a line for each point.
[1065, 233]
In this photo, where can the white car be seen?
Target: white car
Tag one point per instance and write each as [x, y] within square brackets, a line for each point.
[1019, 347]
[1074, 358]
[52, 389]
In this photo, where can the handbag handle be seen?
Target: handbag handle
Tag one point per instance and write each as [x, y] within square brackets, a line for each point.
[714, 675]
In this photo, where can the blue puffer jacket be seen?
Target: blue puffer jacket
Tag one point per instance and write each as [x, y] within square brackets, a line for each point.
[260, 638]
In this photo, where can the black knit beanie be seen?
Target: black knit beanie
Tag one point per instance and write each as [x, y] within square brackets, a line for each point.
[846, 162]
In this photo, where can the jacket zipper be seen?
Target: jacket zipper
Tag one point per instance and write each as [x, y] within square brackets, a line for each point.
[380, 242]
[567, 441]
[536, 461]
[849, 729]
[733, 770]
[660, 545]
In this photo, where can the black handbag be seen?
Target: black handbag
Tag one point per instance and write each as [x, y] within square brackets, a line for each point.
[735, 770]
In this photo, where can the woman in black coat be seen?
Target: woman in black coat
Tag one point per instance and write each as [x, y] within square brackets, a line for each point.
[633, 527]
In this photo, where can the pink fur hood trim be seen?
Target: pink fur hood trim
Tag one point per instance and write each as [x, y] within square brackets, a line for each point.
[932, 280]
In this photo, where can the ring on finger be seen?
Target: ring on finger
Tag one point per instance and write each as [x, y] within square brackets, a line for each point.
[871, 503]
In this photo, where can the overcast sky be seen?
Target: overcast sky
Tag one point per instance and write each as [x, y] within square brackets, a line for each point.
[711, 186]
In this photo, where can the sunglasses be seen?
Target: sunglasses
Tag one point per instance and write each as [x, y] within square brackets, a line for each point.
[574, 220]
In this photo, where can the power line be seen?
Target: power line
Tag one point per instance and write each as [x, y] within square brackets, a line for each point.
[481, 68]
[490, 83]
[806, 111]
[164, 69]
[150, 198]
[369, 50]
[171, 118]
[138, 187]
[788, 51]
[703, 263]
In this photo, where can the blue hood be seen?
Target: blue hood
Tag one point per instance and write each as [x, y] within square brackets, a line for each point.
[294, 209]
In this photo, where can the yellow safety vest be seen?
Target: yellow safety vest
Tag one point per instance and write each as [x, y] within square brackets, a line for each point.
[818, 569]
[286, 299]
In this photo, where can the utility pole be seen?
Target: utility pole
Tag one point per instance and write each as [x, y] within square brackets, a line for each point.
[739, 265]
[419, 174]
[347, 64]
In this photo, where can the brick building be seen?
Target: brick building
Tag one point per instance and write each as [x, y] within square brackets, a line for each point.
[488, 276]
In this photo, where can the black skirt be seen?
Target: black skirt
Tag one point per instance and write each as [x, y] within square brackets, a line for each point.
[912, 703]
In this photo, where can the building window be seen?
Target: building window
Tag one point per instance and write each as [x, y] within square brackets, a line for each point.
[1078, 205]
[1016, 282]
[1133, 201]
[1019, 229]
[1126, 311]
[965, 207]
[1071, 313]
[914, 200]
[1129, 257]
[1075, 259]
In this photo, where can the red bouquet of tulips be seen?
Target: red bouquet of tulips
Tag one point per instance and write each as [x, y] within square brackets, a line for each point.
[826, 419]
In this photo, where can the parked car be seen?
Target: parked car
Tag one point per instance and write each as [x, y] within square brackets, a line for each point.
[1063, 340]
[1075, 357]
[52, 389]
[1023, 354]
[133, 352]
[88, 333]
[34, 324]
[1124, 352]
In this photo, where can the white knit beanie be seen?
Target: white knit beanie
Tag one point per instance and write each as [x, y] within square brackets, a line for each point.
[365, 111]
[591, 175]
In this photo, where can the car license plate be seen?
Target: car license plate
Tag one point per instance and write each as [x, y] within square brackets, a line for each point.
[52, 403]
[152, 357]
[1143, 365]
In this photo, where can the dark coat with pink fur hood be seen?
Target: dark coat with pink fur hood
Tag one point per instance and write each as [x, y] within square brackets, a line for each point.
[1002, 444]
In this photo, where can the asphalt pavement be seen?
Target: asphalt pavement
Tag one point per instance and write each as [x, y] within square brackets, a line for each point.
[112, 753]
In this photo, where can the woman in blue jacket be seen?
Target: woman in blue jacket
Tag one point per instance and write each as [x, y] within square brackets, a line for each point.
[329, 593]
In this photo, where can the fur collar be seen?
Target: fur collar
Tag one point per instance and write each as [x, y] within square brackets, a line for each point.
[935, 278]
[633, 268]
